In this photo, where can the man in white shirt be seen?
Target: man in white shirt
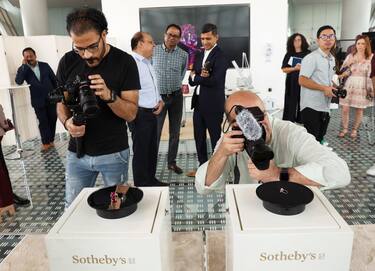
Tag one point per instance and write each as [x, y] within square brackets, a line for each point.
[296, 153]
[150, 104]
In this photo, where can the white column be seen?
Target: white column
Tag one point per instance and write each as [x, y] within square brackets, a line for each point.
[355, 18]
[34, 17]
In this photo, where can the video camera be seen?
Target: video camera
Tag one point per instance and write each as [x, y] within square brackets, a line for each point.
[81, 101]
[254, 135]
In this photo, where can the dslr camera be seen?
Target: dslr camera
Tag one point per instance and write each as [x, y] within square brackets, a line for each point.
[81, 101]
[340, 91]
[258, 151]
[77, 96]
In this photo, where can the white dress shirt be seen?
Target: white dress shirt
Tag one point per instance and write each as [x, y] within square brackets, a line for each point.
[36, 70]
[206, 53]
[149, 95]
[294, 148]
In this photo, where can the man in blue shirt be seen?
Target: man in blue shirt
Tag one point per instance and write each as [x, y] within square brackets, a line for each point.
[150, 104]
[315, 78]
[42, 80]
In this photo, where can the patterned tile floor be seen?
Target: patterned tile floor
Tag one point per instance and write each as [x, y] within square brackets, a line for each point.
[44, 174]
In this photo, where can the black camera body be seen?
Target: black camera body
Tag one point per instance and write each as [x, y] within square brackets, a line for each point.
[340, 92]
[81, 101]
[77, 96]
[207, 66]
[258, 151]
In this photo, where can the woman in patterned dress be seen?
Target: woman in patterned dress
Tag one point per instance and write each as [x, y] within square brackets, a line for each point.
[358, 84]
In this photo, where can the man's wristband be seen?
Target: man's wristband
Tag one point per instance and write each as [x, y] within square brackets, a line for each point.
[112, 99]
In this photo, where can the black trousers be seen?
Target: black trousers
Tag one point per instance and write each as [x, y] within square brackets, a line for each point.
[315, 122]
[145, 148]
[202, 123]
[292, 105]
[173, 105]
[47, 117]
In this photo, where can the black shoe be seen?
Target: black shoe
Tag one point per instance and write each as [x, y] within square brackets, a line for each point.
[175, 168]
[20, 201]
[157, 183]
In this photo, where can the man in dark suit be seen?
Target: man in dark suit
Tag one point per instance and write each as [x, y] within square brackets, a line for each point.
[208, 75]
[42, 80]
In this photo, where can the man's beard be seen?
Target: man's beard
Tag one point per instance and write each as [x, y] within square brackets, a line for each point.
[92, 60]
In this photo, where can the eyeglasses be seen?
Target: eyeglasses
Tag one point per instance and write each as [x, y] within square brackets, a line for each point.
[327, 37]
[172, 36]
[91, 48]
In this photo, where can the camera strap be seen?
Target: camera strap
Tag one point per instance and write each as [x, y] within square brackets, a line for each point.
[236, 172]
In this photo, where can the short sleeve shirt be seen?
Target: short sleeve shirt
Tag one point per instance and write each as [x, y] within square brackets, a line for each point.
[106, 133]
[318, 67]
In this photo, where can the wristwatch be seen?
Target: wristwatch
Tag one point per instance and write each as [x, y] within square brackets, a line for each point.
[112, 99]
[284, 174]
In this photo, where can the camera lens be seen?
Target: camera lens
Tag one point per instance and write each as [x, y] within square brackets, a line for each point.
[88, 99]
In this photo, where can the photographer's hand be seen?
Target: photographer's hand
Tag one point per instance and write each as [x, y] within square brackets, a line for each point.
[268, 175]
[98, 84]
[74, 131]
[231, 144]
[328, 91]
[228, 145]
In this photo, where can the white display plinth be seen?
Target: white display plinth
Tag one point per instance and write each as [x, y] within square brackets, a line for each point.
[81, 240]
[316, 239]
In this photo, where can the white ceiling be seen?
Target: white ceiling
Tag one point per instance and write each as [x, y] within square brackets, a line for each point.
[65, 3]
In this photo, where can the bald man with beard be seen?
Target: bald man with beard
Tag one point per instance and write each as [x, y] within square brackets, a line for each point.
[295, 152]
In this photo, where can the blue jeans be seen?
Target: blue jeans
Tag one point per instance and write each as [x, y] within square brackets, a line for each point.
[81, 173]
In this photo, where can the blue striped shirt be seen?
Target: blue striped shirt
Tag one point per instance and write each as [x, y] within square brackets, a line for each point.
[170, 68]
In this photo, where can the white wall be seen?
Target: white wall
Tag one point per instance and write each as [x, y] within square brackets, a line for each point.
[14, 14]
[57, 20]
[268, 29]
[48, 49]
[307, 18]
